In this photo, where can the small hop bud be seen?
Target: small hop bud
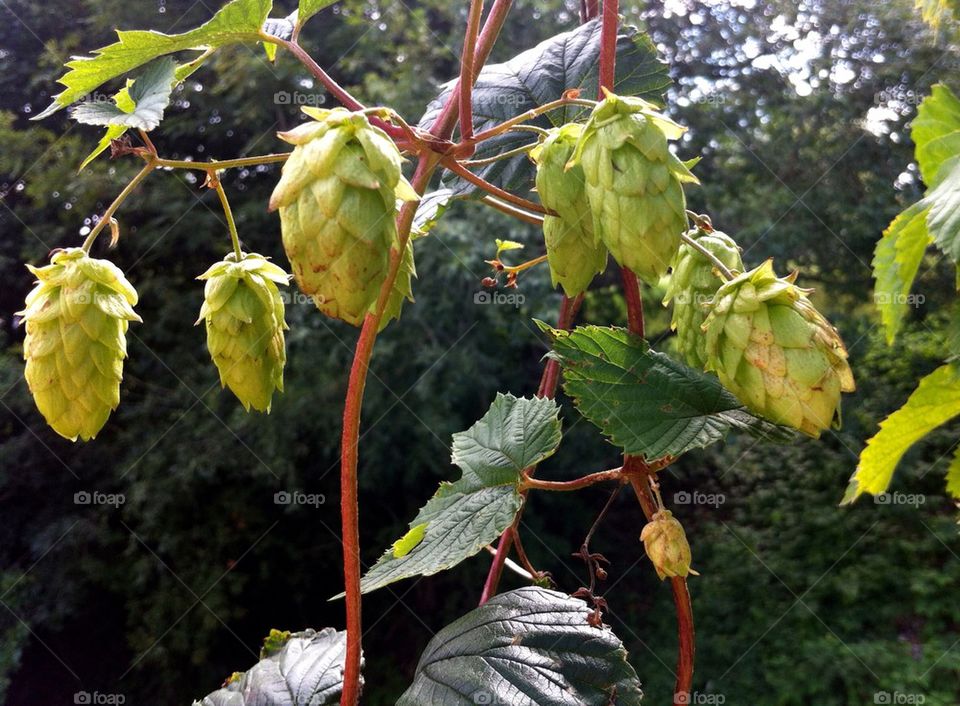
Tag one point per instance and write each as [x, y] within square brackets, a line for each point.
[666, 544]
[489, 282]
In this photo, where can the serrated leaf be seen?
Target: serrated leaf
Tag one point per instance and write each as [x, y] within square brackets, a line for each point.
[308, 8]
[542, 74]
[936, 132]
[953, 476]
[307, 669]
[935, 402]
[649, 404]
[895, 263]
[529, 647]
[237, 21]
[431, 208]
[465, 516]
[140, 105]
[943, 209]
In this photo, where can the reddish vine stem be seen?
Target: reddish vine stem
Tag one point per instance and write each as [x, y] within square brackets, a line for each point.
[615, 474]
[467, 72]
[482, 183]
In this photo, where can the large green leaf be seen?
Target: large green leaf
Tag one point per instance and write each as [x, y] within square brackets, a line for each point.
[648, 403]
[238, 21]
[936, 132]
[464, 517]
[149, 95]
[540, 75]
[529, 647]
[895, 264]
[294, 669]
[935, 401]
[308, 8]
[943, 204]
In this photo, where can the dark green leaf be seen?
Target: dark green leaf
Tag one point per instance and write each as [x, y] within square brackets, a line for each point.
[543, 74]
[464, 517]
[532, 647]
[648, 403]
[306, 669]
[149, 96]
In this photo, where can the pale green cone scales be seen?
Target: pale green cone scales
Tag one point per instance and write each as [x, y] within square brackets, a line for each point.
[76, 323]
[776, 352]
[666, 544]
[574, 253]
[244, 316]
[338, 205]
[693, 282]
[634, 183]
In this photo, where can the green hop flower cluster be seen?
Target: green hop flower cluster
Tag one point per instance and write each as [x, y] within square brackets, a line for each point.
[666, 544]
[338, 203]
[76, 323]
[244, 316]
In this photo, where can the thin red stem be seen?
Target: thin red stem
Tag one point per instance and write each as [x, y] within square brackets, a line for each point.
[467, 72]
[631, 292]
[482, 183]
[586, 481]
[608, 44]
[591, 9]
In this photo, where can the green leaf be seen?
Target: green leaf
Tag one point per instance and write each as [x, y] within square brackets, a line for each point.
[895, 263]
[936, 132]
[464, 517]
[140, 105]
[431, 208]
[238, 21]
[953, 476]
[294, 669]
[114, 132]
[648, 403]
[935, 401]
[538, 76]
[529, 646]
[943, 202]
[308, 8]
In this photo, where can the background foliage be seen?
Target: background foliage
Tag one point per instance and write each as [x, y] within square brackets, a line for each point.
[799, 111]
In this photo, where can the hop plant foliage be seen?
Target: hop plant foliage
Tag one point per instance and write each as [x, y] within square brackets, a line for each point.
[666, 544]
[634, 183]
[244, 316]
[574, 252]
[76, 323]
[776, 352]
[338, 204]
[693, 282]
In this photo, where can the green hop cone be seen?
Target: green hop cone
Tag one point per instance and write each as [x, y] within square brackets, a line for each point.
[776, 352]
[666, 544]
[693, 282]
[76, 319]
[634, 183]
[243, 312]
[338, 205]
[574, 253]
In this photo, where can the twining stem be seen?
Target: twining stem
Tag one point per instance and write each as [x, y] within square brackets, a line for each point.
[511, 210]
[523, 149]
[714, 260]
[615, 474]
[482, 183]
[224, 164]
[467, 72]
[228, 214]
[121, 197]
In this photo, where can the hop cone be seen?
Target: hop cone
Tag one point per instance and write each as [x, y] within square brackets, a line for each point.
[76, 319]
[634, 183]
[776, 352]
[692, 284]
[338, 203]
[666, 544]
[574, 253]
[243, 312]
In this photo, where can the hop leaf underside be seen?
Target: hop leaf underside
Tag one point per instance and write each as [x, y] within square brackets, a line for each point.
[76, 323]
[337, 200]
[776, 352]
[244, 316]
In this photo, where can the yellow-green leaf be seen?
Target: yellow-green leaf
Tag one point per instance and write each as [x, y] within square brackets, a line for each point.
[953, 476]
[895, 264]
[308, 8]
[935, 402]
[936, 132]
